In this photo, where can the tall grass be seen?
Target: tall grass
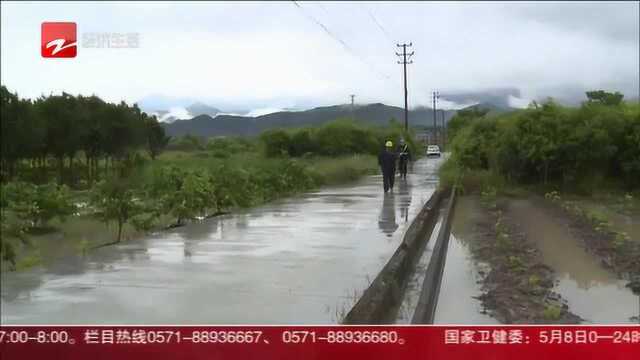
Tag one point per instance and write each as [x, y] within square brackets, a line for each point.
[329, 171]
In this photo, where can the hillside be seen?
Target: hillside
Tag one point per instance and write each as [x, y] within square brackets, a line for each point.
[226, 125]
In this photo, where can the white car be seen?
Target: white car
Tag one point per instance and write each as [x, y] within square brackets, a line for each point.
[433, 150]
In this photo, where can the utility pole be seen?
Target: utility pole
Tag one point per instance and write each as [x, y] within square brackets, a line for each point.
[436, 95]
[444, 130]
[405, 62]
[352, 96]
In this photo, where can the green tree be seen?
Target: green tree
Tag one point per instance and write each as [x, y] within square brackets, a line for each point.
[538, 137]
[115, 200]
[183, 193]
[63, 128]
[604, 97]
[462, 118]
[93, 118]
[21, 132]
[156, 138]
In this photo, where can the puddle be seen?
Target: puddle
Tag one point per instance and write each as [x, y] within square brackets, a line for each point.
[592, 292]
[456, 302]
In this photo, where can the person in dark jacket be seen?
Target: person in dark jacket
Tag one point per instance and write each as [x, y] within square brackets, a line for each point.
[387, 162]
[404, 156]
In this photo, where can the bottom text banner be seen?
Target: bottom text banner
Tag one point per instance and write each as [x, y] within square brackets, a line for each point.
[320, 342]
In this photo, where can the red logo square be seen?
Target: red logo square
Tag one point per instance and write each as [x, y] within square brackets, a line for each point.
[59, 40]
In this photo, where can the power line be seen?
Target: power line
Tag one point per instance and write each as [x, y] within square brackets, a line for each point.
[384, 31]
[322, 7]
[343, 43]
[326, 30]
[386, 34]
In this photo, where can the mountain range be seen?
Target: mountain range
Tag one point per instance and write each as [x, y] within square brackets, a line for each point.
[375, 114]
[201, 119]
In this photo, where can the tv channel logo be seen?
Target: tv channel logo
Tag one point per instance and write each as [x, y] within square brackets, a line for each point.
[59, 40]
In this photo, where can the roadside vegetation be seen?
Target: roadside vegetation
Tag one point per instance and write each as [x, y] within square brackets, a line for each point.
[73, 165]
[570, 157]
[581, 150]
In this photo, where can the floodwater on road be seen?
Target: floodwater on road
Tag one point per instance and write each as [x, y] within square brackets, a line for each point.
[456, 302]
[592, 292]
[304, 259]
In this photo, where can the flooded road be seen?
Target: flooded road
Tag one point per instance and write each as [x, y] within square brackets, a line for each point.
[593, 293]
[456, 302]
[300, 260]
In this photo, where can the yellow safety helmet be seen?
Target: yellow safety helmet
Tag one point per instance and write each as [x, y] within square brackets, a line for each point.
[388, 144]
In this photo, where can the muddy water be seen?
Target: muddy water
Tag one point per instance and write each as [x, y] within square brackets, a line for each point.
[593, 293]
[301, 260]
[456, 302]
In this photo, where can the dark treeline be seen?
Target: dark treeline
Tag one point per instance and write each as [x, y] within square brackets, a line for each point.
[75, 138]
[335, 138]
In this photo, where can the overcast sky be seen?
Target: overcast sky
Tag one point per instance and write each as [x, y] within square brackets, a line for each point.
[284, 55]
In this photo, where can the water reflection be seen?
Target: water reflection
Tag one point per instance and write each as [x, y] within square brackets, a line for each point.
[199, 230]
[242, 221]
[405, 190]
[387, 220]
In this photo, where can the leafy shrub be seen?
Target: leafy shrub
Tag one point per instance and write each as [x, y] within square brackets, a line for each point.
[579, 148]
[552, 312]
[37, 204]
[276, 142]
[187, 143]
[28, 261]
[302, 143]
[336, 138]
[515, 263]
[230, 145]
[53, 201]
[220, 154]
[488, 196]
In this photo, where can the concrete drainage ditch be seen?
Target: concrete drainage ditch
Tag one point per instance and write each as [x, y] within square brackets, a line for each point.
[380, 302]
